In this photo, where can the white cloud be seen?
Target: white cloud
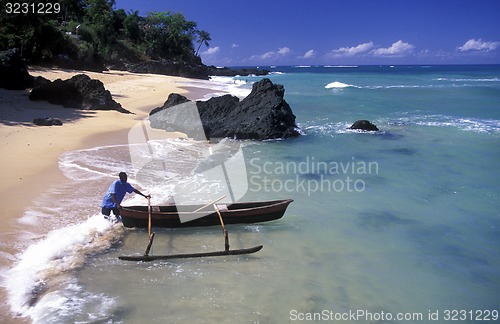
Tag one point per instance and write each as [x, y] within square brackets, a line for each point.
[479, 45]
[308, 54]
[272, 54]
[211, 51]
[267, 55]
[398, 48]
[351, 51]
[235, 45]
[264, 56]
[284, 51]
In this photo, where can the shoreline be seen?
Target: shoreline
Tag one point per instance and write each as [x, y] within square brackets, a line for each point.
[30, 161]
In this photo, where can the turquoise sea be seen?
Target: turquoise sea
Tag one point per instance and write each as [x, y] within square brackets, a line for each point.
[399, 225]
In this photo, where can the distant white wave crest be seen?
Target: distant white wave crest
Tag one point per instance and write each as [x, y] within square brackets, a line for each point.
[340, 66]
[338, 85]
[40, 283]
[466, 83]
[477, 125]
[485, 126]
[468, 79]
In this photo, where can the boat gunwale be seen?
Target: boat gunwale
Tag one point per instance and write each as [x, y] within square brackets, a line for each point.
[272, 204]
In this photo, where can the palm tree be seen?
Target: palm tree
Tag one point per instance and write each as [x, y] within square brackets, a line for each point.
[203, 38]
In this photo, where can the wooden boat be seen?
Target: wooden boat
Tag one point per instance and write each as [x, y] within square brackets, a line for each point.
[236, 213]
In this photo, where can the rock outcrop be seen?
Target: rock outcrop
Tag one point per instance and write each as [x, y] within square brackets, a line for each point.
[263, 114]
[225, 71]
[47, 121]
[78, 92]
[364, 125]
[13, 72]
[189, 69]
[168, 67]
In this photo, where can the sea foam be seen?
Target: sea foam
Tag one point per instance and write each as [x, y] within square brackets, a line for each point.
[225, 85]
[34, 283]
[219, 86]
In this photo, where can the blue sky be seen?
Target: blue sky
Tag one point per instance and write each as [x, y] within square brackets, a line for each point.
[348, 32]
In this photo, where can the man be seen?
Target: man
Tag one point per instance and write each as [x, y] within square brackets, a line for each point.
[115, 194]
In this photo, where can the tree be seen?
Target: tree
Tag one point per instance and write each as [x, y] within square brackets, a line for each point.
[72, 10]
[132, 28]
[203, 38]
[118, 19]
[99, 22]
[99, 11]
[37, 36]
[100, 33]
[169, 35]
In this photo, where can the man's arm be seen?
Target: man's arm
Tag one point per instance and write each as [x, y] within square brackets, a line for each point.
[140, 193]
[113, 197]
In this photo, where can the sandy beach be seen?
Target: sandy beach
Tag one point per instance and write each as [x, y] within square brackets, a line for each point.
[30, 153]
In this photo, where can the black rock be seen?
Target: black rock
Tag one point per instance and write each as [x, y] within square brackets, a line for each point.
[78, 92]
[263, 114]
[215, 71]
[47, 121]
[74, 61]
[189, 68]
[219, 115]
[364, 125]
[168, 67]
[173, 99]
[13, 72]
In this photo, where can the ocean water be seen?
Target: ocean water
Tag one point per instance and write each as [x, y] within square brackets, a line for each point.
[393, 226]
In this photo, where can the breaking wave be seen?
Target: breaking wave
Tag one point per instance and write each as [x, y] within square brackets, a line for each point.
[42, 284]
[220, 85]
[338, 85]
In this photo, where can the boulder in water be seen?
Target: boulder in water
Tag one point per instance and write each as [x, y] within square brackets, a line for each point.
[364, 125]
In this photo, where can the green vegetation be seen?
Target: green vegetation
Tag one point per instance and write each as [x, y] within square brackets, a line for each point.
[90, 31]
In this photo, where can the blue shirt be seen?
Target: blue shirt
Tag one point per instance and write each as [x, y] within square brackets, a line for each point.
[119, 189]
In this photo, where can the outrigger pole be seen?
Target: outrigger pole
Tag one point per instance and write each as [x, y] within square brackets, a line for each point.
[150, 235]
[227, 251]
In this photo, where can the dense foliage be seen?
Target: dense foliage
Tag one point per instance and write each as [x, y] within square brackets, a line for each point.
[87, 31]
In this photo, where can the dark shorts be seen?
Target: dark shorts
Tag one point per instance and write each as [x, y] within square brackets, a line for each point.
[107, 211]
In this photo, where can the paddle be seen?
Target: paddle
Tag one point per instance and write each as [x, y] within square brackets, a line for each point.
[210, 203]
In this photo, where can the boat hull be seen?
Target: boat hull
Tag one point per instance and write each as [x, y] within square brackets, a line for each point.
[237, 213]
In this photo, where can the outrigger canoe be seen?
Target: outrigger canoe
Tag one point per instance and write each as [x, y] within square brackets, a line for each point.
[236, 213]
